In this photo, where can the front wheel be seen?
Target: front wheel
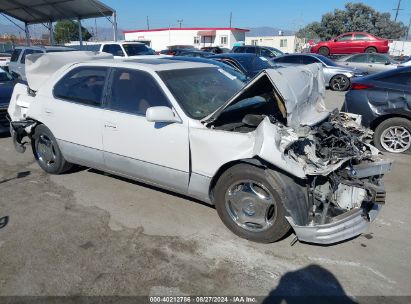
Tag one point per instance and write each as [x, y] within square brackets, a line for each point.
[340, 83]
[47, 152]
[393, 135]
[251, 206]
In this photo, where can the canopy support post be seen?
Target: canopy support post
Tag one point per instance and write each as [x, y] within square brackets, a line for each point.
[51, 33]
[26, 30]
[115, 33]
[80, 34]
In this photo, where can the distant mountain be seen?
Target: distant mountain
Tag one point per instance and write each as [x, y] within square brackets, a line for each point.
[267, 31]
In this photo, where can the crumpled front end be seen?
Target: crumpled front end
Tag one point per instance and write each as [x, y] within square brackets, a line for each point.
[343, 176]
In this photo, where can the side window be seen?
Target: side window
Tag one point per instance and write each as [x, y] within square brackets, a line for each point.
[361, 37]
[251, 50]
[309, 60]
[239, 49]
[134, 91]
[402, 78]
[344, 37]
[267, 53]
[376, 58]
[358, 58]
[83, 85]
[291, 59]
[15, 55]
[28, 52]
[113, 49]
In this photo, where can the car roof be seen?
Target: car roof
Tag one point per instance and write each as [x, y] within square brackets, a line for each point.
[234, 55]
[154, 65]
[44, 47]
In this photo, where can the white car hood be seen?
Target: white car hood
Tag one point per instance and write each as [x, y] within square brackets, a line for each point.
[40, 67]
[301, 89]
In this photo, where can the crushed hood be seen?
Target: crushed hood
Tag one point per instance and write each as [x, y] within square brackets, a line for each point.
[300, 88]
[40, 67]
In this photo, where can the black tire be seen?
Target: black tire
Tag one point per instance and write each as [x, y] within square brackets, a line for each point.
[340, 83]
[384, 128]
[51, 161]
[272, 183]
[371, 49]
[325, 51]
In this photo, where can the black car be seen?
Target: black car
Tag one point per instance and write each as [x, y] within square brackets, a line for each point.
[190, 53]
[384, 101]
[248, 64]
[264, 51]
[6, 89]
[215, 49]
[226, 67]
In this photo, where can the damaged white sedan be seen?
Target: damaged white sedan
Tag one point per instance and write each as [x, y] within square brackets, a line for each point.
[266, 154]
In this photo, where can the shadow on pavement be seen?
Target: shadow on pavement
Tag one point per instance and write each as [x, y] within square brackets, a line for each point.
[311, 284]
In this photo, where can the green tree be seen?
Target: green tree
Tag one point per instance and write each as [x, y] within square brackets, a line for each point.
[67, 30]
[355, 17]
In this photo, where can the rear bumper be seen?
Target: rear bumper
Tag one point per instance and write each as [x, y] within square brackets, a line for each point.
[348, 225]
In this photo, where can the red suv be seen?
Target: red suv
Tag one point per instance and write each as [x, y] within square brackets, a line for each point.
[349, 43]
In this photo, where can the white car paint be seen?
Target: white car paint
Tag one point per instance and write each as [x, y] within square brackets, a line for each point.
[186, 155]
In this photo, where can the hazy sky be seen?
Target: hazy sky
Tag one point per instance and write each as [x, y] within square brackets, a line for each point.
[285, 14]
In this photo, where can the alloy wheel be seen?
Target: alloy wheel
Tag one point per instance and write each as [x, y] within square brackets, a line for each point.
[250, 205]
[396, 139]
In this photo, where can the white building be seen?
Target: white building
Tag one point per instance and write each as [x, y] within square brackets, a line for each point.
[286, 44]
[400, 48]
[196, 36]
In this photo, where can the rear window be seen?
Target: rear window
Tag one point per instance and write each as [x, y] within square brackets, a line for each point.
[82, 85]
[28, 52]
[15, 55]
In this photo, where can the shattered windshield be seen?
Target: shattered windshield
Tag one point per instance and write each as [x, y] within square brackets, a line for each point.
[201, 91]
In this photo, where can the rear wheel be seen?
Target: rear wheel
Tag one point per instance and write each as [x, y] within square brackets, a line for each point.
[393, 135]
[340, 83]
[324, 51]
[47, 152]
[371, 49]
[250, 205]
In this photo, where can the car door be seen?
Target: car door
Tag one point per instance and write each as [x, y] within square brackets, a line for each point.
[342, 45]
[74, 114]
[359, 42]
[359, 61]
[378, 63]
[157, 153]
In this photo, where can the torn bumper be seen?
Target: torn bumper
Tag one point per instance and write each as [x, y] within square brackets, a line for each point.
[343, 227]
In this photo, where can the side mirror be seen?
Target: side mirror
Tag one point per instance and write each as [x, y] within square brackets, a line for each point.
[387, 63]
[161, 114]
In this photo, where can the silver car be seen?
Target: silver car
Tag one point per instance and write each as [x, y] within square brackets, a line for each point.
[371, 63]
[337, 77]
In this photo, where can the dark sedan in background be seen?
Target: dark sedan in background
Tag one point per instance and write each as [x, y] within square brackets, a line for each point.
[6, 89]
[248, 64]
[384, 101]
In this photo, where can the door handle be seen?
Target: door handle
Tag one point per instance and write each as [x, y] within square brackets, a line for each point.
[48, 111]
[110, 125]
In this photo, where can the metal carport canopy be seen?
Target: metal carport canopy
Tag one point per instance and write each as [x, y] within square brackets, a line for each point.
[48, 11]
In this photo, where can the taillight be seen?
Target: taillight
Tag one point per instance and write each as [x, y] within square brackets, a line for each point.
[360, 86]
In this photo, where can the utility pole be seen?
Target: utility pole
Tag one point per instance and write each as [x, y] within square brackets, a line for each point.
[95, 25]
[148, 23]
[231, 18]
[180, 21]
[397, 10]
